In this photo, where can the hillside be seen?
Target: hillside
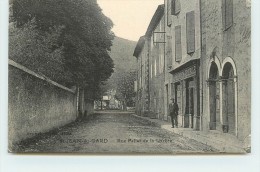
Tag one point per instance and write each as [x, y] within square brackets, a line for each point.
[122, 54]
[122, 80]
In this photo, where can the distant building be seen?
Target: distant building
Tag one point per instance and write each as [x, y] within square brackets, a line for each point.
[142, 94]
[150, 55]
[155, 35]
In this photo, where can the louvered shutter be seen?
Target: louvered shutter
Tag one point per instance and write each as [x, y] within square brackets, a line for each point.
[178, 47]
[169, 19]
[172, 7]
[169, 51]
[227, 13]
[224, 14]
[190, 32]
[176, 7]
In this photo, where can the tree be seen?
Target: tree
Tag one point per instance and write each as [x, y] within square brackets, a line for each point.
[66, 40]
[125, 88]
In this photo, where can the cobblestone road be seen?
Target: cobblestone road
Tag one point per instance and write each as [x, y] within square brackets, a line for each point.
[113, 132]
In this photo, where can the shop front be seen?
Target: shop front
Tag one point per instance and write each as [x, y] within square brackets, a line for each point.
[185, 91]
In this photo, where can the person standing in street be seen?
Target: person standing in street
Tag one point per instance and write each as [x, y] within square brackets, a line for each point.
[174, 110]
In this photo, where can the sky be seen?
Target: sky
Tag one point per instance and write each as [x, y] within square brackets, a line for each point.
[130, 17]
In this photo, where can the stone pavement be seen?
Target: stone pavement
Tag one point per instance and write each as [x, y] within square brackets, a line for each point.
[224, 142]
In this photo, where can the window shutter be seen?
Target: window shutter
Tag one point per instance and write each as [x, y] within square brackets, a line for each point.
[157, 64]
[190, 32]
[176, 7]
[169, 51]
[155, 67]
[172, 7]
[224, 14]
[178, 47]
[151, 70]
[162, 63]
[169, 19]
[229, 13]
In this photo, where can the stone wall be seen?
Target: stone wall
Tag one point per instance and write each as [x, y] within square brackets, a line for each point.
[142, 86]
[36, 104]
[232, 45]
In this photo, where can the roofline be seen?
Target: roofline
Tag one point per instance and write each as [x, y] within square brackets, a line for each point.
[155, 20]
[152, 25]
[139, 46]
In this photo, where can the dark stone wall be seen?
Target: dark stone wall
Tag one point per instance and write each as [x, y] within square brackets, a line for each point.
[36, 105]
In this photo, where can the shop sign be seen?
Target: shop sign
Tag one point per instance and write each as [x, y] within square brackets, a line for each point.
[185, 73]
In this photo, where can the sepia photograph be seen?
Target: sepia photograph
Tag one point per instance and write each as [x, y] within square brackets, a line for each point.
[129, 77]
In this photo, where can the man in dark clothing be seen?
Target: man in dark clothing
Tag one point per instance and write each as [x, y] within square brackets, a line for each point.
[174, 109]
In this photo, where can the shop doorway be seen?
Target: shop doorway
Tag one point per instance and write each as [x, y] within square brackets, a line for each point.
[167, 103]
[214, 97]
[229, 117]
[178, 99]
[189, 105]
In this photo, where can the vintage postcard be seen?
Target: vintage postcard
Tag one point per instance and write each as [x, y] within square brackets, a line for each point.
[129, 76]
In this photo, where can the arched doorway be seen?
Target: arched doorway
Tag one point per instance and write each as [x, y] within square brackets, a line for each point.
[214, 96]
[228, 103]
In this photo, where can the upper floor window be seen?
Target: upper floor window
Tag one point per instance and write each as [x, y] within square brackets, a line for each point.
[190, 32]
[227, 13]
[175, 7]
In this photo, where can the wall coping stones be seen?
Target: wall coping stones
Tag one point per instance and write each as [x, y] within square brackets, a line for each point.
[21, 67]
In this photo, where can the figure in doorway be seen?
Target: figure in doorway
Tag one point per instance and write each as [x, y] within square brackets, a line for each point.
[174, 110]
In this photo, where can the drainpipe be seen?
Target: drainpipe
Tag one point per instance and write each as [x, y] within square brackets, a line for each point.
[201, 79]
[148, 79]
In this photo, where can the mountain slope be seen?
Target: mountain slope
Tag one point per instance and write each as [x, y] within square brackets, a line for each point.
[125, 66]
[122, 54]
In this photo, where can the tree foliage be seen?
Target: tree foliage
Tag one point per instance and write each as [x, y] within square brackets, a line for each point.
[125, 67]
[125, 87]
[66, 40]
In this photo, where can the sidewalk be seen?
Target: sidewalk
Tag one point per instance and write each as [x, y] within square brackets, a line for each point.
[224, 142]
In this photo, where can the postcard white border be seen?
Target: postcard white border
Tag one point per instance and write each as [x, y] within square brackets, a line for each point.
[65, 163]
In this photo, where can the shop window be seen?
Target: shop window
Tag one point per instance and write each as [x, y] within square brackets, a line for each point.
[227, 13]
[190, 32]
[175, 7]
[178, 47]
[172, 91]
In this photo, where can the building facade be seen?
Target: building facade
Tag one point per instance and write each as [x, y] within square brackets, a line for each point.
[198, 52]
[183, 53]
[150, 56]
[156, 39]
[226, 57]
[142, 92]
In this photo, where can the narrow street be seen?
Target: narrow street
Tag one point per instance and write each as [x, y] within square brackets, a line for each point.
[113, 132]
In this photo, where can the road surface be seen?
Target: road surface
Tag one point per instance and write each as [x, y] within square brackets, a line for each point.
[113, 132]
